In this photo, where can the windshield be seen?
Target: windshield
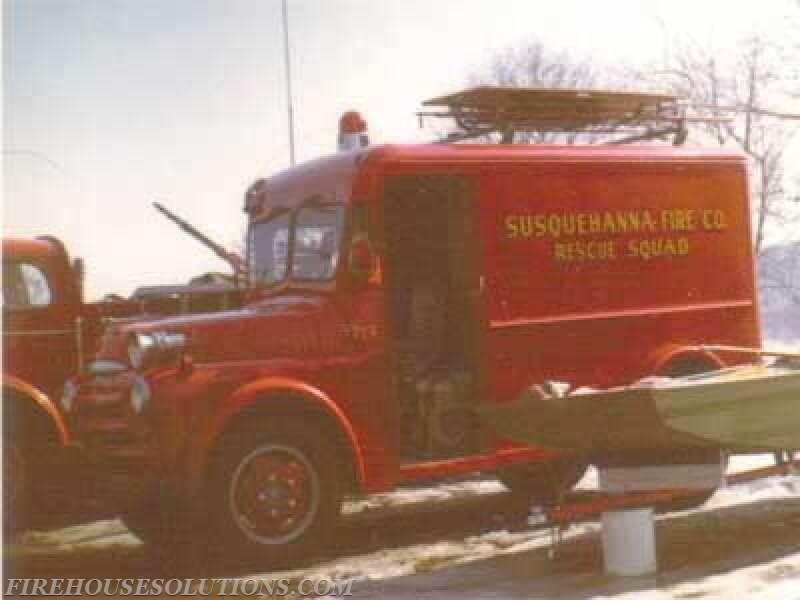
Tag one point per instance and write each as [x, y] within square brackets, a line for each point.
[312, 232]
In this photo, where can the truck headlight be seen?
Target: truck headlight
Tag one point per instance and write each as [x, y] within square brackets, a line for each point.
[68, 395]
[147, 350]
[140, 394]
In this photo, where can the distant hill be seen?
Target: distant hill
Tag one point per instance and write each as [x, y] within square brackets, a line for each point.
[779, 283]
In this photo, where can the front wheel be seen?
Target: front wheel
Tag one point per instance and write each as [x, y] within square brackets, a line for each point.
[17, 486]
[276, 491]
[160, 521]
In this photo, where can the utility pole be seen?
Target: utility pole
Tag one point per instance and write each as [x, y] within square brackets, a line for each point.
[288, 79]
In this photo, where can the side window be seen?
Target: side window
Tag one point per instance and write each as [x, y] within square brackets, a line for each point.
[37, 285]
[25, 285]
[316, 241]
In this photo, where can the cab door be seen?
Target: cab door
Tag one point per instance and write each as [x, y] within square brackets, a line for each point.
[39, 336]
[365, 330]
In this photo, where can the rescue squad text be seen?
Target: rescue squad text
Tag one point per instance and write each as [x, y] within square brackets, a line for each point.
[557, 226]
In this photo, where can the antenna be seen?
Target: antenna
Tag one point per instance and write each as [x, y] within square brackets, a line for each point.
[288, 62]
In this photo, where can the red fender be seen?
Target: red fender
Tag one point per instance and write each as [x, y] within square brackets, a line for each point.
[24, 388]
[248, 395]
[673, 353]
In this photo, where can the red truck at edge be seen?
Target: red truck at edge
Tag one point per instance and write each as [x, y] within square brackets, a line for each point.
[395, 290]
[48, 332]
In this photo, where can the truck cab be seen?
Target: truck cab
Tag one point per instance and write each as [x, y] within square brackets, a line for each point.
[42, 348]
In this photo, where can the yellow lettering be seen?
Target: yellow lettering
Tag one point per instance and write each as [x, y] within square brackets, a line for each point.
[595, 223]
[554, 226]
[679, 219]
[578, 225]
[511, 227]
[691, 220]
[649, 248]
[609, 225]
[582, 223]
[714, 220]
[648, 222]
[580, 251]
[540, 226]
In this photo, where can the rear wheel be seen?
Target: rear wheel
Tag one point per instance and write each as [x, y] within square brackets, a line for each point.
[276, 491]
[545, 483]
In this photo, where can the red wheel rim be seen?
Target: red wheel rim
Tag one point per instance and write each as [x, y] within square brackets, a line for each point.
[274, 494]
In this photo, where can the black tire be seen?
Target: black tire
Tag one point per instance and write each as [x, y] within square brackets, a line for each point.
[276, 491]
[25, 446]
[18, 477]
[159, 521]
[545, 483]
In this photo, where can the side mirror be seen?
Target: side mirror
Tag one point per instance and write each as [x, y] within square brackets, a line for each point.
[361, 260]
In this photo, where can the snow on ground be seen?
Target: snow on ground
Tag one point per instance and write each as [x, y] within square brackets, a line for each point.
[773, 578]
[419, 558]
[776, 346]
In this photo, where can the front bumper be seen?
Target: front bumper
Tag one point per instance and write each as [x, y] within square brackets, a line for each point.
[109, 434]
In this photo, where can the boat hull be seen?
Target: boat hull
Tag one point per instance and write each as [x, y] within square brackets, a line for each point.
[752, 408]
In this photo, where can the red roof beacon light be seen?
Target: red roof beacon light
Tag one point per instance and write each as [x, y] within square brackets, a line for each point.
[352, 131]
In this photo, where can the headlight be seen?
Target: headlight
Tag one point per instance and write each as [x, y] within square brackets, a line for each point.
[140, 394]
[68, 395]
[146, 350]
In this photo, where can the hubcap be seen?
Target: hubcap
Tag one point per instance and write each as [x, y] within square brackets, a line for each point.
[274, 494]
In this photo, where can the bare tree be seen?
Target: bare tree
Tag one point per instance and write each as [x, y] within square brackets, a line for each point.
[746, 87]
[534, 65]
[758, 86]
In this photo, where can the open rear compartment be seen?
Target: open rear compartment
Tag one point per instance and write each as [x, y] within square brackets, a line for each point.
[434, 286]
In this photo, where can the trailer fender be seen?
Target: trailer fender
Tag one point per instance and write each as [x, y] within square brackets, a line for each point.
[676, 360]
[42, 402]
[258, 394]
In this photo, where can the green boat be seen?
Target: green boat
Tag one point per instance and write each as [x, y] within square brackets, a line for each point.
[745, 408]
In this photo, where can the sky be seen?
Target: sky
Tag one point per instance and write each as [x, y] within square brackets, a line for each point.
[109, 105]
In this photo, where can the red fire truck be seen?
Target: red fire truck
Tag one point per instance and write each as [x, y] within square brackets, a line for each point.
[47, 333]
[394, 290]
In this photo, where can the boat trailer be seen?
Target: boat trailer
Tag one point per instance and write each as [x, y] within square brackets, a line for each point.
[628, 529]
[633, 433]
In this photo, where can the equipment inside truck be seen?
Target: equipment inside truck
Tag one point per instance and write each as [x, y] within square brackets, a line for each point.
[434, 276]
